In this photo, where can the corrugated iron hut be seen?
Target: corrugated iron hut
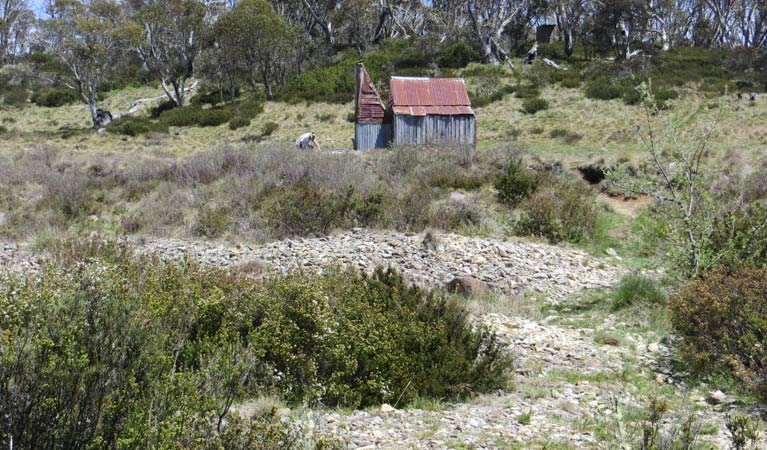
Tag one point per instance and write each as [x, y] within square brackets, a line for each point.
[422, 111]
[371, 129]
[431, 111]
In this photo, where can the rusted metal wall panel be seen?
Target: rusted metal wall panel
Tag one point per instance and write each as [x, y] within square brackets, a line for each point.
[369, 136]
[410, 91]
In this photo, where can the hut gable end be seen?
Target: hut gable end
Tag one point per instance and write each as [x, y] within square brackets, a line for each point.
[369, 108]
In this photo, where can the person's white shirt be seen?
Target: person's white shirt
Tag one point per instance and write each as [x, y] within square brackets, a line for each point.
[303, 141]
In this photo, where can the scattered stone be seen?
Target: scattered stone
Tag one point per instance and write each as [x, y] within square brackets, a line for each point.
[611, 252]
[386, 408]
[717, 397]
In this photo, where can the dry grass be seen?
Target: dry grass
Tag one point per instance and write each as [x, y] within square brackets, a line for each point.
[608, 127]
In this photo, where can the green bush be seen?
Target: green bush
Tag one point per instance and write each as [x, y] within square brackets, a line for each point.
[603, 89]
[239, 122]
[561, 209]
[457, 54]
[55, 97]
[632, 96]
[268, 128]
[304, 209]
[211, 222]
[533, 105]
[164, 335]
[723, 321]
[527, 92]
[179, 343]
[14, 96]
[189, 116]
[517, 184]
[155, 111]
[480, 102]
[135, 126]
[355, 340]
[569, 137]
[636, 289]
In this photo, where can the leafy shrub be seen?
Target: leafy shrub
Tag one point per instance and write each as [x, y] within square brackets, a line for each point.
[211, 222]
[602, 89]
[636, 289]
[54, 97]
[304, 209]
[527, 92]
[569, 137]
[3, 129]
[480, 102]
[561, 209]
[723, 321]
[326, 117]
[632, 96]
[195, 116]
[457, 54]
[533, 105]
[268, 128]
[361, 341]
[238, 122]
[517, 184]
[135, 126]
[155, 111]
[179, 343]
[15, 95]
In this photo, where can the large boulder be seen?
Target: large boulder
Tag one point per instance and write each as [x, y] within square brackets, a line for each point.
[467, 286]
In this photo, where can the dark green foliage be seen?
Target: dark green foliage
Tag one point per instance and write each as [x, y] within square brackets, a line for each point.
[603, 89]
[632, 96]
[238, 122]
[480, 102]
[135, 126]
[356, 341]
[723, 321]
[212, 222]
[561, 209]
[457, 54]
[55, 97]
[268, 128]
[14, 95]
[527, 92]
[533, 105]
[517, 184]
[178, 343]
[304, 209]
[636, 289]
[155, 111]
[569, 137]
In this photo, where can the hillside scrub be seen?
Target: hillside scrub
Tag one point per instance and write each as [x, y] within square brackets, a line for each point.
[722, 318]
[163, 349]
[260, 193]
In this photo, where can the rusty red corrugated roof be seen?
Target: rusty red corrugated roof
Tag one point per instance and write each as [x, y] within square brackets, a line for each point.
[422, 96]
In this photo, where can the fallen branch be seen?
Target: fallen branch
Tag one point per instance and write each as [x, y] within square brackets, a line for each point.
[551, 63]
[138, 104]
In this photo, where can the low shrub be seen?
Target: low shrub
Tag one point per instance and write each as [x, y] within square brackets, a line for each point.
[135, 126]
[211, 222]
[14, 95]
[561, 209]
[723, 321]
[636, 289]
[569, 137]
[268, 128]
[155, 111]
[527, 92]
[603, 89]
[517, 184]
[533, 105]
[306, 210]
[480, 102]
[238, 122]
[189, 116]
[55, 97]
[457, 54]
[632, 96]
